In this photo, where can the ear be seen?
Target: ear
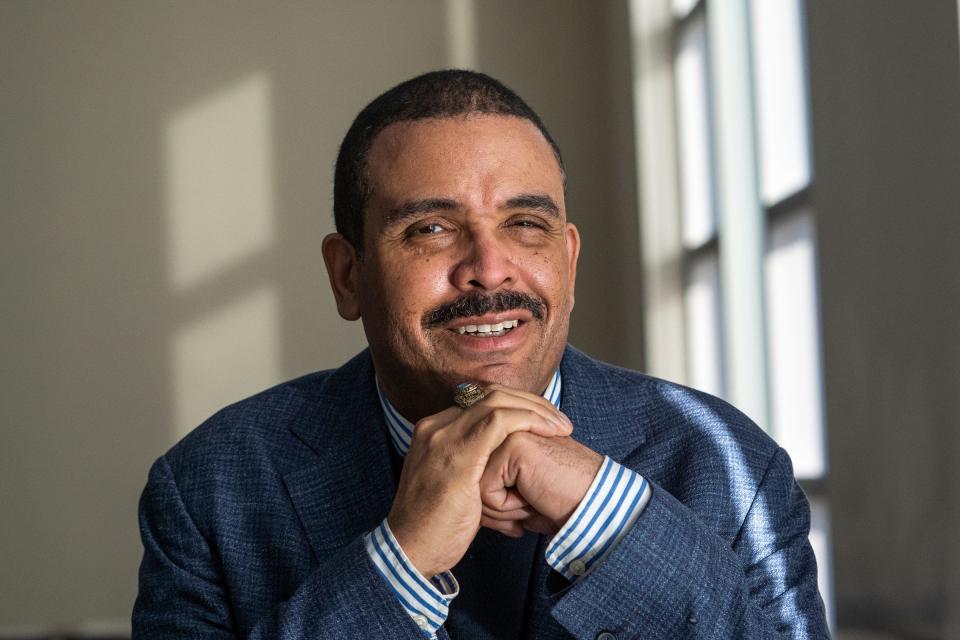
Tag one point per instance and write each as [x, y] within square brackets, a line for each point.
[573, 252]
[343, 269]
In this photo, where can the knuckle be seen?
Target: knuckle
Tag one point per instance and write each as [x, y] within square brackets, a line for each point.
[423, 425]
[434, 439]
[519, 438]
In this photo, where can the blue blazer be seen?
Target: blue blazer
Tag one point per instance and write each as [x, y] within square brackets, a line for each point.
[252, 525]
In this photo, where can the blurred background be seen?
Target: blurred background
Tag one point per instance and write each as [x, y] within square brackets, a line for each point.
[768, 193]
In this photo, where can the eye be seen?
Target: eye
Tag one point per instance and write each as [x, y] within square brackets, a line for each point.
[429, 228]
[528, 223]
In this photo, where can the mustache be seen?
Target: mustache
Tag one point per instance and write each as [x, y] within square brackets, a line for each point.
[477, 304]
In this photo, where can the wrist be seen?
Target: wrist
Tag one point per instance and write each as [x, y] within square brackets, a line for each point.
[580, 483]
[409, 550]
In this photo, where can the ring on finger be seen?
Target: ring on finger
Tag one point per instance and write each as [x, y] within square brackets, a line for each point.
[468, 394]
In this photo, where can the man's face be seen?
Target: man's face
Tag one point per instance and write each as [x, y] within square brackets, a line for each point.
[465, 231]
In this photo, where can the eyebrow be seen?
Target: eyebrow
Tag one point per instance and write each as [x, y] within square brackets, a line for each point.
[415, 208]
[534, 201]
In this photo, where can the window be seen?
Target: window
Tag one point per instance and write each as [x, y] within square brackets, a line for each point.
[737, 266]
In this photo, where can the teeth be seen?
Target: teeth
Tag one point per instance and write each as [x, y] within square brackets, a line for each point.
[489, 329]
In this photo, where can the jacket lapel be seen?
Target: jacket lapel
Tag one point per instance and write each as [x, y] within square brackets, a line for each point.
[348, 487]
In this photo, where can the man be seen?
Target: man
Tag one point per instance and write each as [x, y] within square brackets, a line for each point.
[558, 497]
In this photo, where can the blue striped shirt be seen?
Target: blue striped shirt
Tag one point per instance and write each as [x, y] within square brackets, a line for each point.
[604, 516]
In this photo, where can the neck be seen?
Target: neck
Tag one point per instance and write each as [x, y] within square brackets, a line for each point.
[415, 395]
[421, 405]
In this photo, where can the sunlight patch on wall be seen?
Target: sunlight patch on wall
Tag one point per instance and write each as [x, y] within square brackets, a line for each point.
[224, 356]
[218, 157]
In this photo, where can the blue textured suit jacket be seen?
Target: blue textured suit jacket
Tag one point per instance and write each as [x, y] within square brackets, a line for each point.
[252, 525]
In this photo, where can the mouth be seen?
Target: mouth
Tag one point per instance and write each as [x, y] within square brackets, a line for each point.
[493, 330]
[481, 329]
[491, 335]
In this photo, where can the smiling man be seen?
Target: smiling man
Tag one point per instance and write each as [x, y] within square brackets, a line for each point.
[470, 475]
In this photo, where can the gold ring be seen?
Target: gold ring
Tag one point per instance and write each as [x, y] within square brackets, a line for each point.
[468, 394]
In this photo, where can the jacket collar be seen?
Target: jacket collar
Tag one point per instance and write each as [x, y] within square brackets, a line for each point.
[604, 403]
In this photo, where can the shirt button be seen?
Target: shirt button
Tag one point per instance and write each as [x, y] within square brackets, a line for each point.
[578, 568]
[606, 635]
[421, 621]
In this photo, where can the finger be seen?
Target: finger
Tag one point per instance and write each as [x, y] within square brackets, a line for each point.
[530, 397]
[502, 498]
[428, 424]
[479, 440]
[495, 480]
[521, 513]
[503, 397]
[512, 529]
[497, 396]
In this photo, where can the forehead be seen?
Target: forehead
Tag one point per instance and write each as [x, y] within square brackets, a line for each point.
[478, 158]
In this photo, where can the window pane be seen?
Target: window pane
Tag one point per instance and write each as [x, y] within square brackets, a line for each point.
[781, 100]
[704, 328]
[682, 7]
[693, 125]
[794, 344]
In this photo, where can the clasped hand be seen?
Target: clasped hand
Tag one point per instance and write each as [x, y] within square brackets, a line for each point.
[507, 463]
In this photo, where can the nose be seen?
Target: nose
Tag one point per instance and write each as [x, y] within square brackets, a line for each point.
[486, 263]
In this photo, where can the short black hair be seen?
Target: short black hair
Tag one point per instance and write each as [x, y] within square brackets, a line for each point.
[437, 94]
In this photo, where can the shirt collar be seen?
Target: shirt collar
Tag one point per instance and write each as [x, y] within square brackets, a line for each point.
[401, 429]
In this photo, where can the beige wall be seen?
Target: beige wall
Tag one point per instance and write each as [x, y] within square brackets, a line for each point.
[166, 179]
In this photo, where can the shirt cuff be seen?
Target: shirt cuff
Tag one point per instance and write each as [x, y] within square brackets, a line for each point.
[426, 601]
[605, 515]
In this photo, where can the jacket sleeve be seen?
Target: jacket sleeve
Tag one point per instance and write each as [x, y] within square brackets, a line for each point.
[673, 577]
[183, 593]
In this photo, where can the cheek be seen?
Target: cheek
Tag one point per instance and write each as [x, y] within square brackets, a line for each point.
[548, 274]
[414, 288]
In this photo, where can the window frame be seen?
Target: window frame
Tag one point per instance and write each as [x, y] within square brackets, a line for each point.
[667, 259]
